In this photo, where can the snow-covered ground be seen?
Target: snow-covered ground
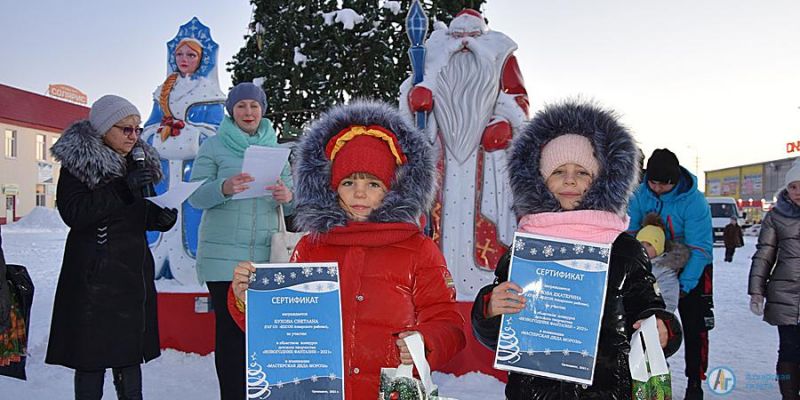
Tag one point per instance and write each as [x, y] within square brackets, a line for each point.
[740, 341]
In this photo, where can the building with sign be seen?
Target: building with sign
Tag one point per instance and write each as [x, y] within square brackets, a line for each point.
[754, 186]
[30, 124]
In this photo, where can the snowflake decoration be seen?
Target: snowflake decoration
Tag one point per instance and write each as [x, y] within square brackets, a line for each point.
[293, 275]
[319, 270]
[307, 271]
[252, 278]
[563, 250]
[578, 248]
[332, 376]
[279, 278]
[604, 253]
[591, 249]
[534, 251]
[279, 384]
[565, 352]
[530, 353]
[585, 353]
[296, 381]
[519, 245]
[548, 251]
[332, 271]
[547, 352]
[265, 281]
[314, 378]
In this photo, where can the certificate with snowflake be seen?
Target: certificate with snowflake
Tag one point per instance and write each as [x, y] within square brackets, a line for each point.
[294, 332]
[564, 283]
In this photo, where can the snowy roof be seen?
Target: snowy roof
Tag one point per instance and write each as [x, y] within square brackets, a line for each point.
[20, 107]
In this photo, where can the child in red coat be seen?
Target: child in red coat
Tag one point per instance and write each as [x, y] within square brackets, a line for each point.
[365, 178]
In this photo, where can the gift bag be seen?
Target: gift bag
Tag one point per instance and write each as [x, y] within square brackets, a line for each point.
[14, 339]
[283, 242]
[649, 370]
[399, 383]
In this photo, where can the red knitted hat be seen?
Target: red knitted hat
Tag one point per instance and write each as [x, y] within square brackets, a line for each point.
[371, 149]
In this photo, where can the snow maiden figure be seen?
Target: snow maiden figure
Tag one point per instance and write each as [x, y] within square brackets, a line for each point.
[187, 109]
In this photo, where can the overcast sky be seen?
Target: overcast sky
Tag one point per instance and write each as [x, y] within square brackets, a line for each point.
[716, 81]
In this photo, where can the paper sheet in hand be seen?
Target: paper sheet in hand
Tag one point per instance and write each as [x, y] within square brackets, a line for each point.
[176, 195]
[556, 335]
[264, 164]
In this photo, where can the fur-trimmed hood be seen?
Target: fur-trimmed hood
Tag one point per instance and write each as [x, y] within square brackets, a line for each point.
[411, 194]
[614, 148]
[82, 152]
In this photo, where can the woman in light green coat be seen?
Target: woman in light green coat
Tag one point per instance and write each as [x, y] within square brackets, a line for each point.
[234, 230]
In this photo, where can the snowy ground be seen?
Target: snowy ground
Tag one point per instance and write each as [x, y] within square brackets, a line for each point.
[741, 341]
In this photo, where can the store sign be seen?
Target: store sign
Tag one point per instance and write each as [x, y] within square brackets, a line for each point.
[68, 93]
[10, 189]
[791, 147]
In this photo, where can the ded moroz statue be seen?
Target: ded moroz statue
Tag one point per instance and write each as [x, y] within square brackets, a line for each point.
[476, 100]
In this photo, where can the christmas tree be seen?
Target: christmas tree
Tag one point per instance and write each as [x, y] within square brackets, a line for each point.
[311, 54]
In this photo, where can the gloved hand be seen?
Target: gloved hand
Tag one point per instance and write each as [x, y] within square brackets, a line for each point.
[757, 304]
[137, 179]
[165, 219]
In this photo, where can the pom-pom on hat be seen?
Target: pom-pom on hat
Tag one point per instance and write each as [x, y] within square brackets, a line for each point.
[108, 110]
[568, 148]
[370, 149]
[663, 167]
[246, 91]
[654, 235]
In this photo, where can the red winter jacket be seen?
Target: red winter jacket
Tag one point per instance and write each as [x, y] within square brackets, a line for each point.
[393, 279]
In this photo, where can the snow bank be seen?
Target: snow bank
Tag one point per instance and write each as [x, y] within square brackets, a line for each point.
[40, 219]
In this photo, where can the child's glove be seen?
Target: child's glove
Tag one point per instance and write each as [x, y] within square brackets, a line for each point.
[757, 304]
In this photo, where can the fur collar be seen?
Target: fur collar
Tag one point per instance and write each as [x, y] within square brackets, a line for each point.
[82, 152]
[614, 147]
[316, 204]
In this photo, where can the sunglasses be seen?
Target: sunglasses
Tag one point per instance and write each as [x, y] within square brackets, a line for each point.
[129, 130]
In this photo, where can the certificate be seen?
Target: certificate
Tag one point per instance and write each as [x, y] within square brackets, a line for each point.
[564, 283]
[294, 332]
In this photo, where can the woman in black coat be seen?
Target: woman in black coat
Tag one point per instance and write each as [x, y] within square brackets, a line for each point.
[104, 314]
[572, 170]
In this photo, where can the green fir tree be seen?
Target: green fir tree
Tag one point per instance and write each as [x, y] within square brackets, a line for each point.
[309, 62]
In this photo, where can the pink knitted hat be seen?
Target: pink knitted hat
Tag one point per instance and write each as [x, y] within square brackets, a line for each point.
[568, 148]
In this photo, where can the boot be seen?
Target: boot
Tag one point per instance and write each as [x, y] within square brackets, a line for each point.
[788, 379]
[128, 382]
[694, 390]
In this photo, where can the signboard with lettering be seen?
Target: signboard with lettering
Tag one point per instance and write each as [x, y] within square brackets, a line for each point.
[67, 93]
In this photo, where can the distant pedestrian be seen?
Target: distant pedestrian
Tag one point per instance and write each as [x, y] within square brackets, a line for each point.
[733, 238]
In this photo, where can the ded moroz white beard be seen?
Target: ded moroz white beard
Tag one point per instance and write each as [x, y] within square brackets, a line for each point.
[466, 93]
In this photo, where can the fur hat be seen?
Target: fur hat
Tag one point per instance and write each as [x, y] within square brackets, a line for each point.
[468, 20]
[663, 167]
[246, 91]
[654, 235]
[613, 146]
[108, 110]
[793, 174]
[370, 149]
[413, 182]
[565, 149]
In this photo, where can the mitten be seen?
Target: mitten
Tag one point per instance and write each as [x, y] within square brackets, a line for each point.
[757, 304]
[166, 219]
[137, 179]
[420, 99]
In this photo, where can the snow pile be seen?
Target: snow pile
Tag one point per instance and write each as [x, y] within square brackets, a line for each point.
[348, 18]
[40, 219]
